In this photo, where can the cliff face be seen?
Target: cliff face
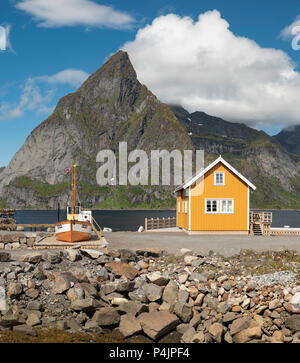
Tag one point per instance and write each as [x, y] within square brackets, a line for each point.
[289, 139]
[113, 106]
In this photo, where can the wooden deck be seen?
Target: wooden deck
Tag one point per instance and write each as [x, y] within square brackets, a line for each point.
[35, 227]
[260, 223]
[159, 223]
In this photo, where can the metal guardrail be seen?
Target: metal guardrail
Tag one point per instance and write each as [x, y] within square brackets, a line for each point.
[158, 223]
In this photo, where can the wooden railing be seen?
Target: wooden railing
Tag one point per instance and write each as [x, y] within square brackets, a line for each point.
[263, 220]
[261, 217]
[158, 223]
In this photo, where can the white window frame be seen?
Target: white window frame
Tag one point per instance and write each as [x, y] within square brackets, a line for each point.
[185, 205]
[211, 200]
[215, 178]
[227, 200]
[219, 205]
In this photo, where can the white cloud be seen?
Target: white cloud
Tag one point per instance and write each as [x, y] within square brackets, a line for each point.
[287, 33]
[38, 92]
[73, 77]
[58, 13]
[5, 43]
[2, 38]
[203, 66]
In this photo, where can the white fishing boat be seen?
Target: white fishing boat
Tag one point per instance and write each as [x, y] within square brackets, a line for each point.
[78, 226]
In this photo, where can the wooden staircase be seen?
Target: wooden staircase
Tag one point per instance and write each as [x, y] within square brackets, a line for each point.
[260, 223]
[257, 230]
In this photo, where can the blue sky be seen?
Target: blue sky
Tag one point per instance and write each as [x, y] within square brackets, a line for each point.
[50, 50]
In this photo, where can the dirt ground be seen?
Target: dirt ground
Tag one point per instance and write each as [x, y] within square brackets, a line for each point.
[227, 245]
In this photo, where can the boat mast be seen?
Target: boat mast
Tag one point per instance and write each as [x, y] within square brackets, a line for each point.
[73, 188]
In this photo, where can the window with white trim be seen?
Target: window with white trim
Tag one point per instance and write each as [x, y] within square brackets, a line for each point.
[226, 206]
[211, 206]
[219, 178]
[219, 206]
[186, 205]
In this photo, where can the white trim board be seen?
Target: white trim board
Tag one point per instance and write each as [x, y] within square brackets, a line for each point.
[203, 172]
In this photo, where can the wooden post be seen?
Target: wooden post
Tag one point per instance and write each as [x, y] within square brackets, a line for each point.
[146, 224]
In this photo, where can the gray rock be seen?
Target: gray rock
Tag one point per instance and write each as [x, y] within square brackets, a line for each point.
[125, 286]
[34, 305]
[211, 302]
[63, 282]
[94, 254]
[239, 324]
[88, 304]
[106, 316]
[170, 293]
[127, 255]
[32, 257]
[183, 295]
[14, 290]
[72, 255]
[158, 279]
[25, 330]
[182, 328]
[158, 323]
[133, 307]
[188, 335]
[293, 323]
[5, 256]
[129, 325]
[34, 318]
[229, 317]
[76, 293]
[53, 257]
[184, 311]
[153, 292]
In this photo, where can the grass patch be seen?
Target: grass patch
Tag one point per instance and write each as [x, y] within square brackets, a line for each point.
[42, 190]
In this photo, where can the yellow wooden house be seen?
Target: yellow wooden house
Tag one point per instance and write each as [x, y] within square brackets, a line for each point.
[216, 200]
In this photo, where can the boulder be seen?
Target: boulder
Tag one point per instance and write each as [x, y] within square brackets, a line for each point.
[150, 252]
[122, 269]
[32, 257]
[107, 316]
[14, 290]
[125, 286]
[246, 335]
[63, 282]
[158, 323]
[127, 255]
[293, 323]
[216, 331]
[5, 256]
[53, 257]
[72, 255]
[239, 324]
[170, 293]
[133, 307]
[94, 254]
[158, 279]
[129, 325]
[188, 335]
[75, 293]
[88, 304]
[184, 311]
[152, 292]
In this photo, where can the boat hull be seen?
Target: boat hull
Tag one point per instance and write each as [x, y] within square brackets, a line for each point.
[73, 231]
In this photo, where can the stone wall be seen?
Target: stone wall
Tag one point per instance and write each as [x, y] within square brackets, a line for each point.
[11, 241]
